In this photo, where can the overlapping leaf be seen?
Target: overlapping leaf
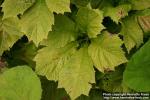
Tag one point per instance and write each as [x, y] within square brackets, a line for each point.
[77, 74]
[64, 31]
[132, 33]
[12, 8]
[120, 10]
[9, 33]
[58, 6]
[50, 60]
[37, 21]
[20, 83]
[60, 58]
[116, 13]
[90, 21]
[53, 57]
[106, 52]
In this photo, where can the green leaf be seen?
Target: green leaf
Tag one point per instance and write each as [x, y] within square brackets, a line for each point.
[137, 73]
[64, 31]
[20, 83]
[58, 6]
[140, 4]
[116, 13]
[131, 32]
[50, 60]
[36, 22]
[9, 33]
[12, 8]
[77, 74]
[106, 52]
[90, 21]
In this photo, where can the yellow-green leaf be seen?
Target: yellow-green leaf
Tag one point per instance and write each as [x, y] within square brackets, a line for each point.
[90, 21]
[106, 52]
[64, 31]
[36, 22]
[9, 33]
[77, 74]
[12, 8]
[116, 13]
[131, 32]
[58, 6]
[51, 60]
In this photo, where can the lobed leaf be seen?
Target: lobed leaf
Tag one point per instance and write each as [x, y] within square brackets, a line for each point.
[106, 52]
[116, 13]
[50, 60]
[12, 8]
[89, 21]
[73, 76]
[64, 32]
[131, 32]
[9, 33]
[38, 20]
